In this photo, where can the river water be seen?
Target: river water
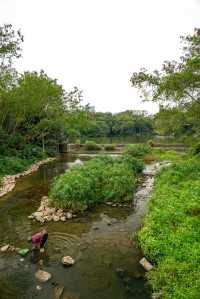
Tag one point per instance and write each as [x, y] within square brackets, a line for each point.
[107, 260]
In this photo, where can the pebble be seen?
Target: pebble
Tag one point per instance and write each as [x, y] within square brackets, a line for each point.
[38, 288]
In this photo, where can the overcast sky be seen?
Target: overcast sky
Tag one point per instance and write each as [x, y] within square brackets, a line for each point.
[97, 44]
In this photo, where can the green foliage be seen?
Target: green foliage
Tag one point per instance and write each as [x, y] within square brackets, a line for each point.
[168, 155]
[136, 165]
[92, 146]
[12, 165]
[100, 179]
[151, 143]
[195, 150]
[126, 123]
[137, 150]
[119, 183]
[171, 234]
[176, 87]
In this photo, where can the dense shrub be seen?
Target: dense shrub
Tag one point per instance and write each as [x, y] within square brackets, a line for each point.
[18, 160]
[137, 150]
[100, 179]
[12, 165]
[134, 164]
[119, 183]
[92, 146]
[195, 150]
[171, 234]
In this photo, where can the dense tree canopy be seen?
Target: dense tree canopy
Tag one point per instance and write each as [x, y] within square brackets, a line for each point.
[177, 85]
[127, 123]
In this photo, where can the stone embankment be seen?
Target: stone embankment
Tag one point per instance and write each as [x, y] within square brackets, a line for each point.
[46, 212]
[9, 181]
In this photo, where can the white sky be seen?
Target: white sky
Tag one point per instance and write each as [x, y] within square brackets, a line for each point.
[97, 44]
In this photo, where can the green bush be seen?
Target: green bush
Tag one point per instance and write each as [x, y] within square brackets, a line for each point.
[92, 146]
[195, 150]
[137, 150]
[119, 183]
[151, 143]
[109, 147]
[12, 165]
[100, 179]
[170, 237]
[136, 165]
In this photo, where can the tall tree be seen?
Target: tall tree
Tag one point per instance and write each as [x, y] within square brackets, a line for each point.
[177, 84]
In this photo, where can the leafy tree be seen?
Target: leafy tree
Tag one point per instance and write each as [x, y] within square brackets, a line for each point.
[177, 84]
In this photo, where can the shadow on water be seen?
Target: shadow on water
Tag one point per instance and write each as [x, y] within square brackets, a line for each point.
[99, 241]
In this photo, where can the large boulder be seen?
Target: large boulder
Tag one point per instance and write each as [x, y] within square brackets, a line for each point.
[43, 276]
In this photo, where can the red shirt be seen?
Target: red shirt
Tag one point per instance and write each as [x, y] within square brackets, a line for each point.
[37, 238]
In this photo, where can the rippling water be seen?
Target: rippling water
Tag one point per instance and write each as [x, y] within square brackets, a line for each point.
[99, 241]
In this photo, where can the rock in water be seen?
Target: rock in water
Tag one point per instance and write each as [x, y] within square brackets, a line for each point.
[146, 264]
[38, 288]
[67, 261]
[71, 295]
[69, 215]
[42, 276]
[5, 248]
[57, 292]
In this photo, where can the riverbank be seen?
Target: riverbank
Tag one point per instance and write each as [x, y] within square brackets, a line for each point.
[170, 237]
[8, 182]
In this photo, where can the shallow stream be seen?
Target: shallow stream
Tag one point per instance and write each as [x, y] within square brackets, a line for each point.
[107, 261]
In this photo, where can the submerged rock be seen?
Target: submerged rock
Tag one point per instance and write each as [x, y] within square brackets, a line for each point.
[68, 261]
[57, 292]
[43, 276]
[5, 248]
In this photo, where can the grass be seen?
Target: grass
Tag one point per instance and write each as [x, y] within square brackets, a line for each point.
[170, 237]
[168, 155]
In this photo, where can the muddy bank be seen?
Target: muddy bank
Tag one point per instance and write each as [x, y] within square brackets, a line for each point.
[9, 181]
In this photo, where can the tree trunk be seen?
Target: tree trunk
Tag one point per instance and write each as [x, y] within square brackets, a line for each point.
[43, 145]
